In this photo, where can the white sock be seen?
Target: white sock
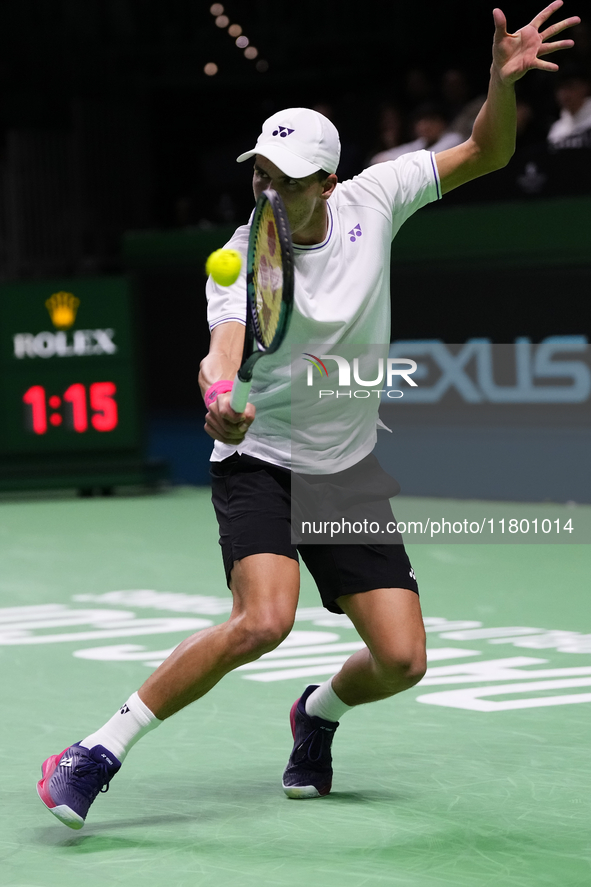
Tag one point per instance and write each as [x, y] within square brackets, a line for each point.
[324, 703]
[132, 721]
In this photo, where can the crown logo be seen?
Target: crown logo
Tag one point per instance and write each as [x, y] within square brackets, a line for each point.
[62, 309]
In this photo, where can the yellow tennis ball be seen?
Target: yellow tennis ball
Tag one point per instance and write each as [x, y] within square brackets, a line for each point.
[224, 266]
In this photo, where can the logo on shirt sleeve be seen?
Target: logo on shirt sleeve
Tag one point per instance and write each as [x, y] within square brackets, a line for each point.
[355, 232]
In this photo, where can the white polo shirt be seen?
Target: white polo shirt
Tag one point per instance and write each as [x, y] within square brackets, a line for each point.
[341, 297]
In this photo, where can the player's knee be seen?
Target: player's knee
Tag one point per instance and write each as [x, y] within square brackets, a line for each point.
[261, 634]
[268, 636]
[400, 669]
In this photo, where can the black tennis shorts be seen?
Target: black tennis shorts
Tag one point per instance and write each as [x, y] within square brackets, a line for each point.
[252, 500]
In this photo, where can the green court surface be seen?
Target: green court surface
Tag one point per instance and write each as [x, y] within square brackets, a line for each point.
[477, 776]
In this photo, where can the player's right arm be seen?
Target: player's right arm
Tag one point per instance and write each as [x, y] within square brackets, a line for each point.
[492, 142]
[222, 362]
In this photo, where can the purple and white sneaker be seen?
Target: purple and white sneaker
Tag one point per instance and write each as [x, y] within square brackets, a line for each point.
[72, 780]
[309, 770]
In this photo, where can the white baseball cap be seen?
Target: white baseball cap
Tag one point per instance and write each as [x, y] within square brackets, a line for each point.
[299, 141]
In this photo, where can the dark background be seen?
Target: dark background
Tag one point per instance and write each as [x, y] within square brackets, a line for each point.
[108, 124]
[156, 138]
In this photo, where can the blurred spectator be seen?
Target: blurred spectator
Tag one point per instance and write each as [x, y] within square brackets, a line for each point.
[431, 132]
[581, 51]
[524, 118]
[530, 129]
[183, 211]
[573, 127]
[418, 87]
[455, 91]
[326, 109]
[341, 115]
[225, 210]
[461, 109]
[390, 128]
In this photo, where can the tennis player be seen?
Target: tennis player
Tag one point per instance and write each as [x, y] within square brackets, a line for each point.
[341, 235]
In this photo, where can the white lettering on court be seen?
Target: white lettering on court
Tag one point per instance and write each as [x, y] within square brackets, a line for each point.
[36, 625]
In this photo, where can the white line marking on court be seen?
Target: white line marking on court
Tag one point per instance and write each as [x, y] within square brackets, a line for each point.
[472, 697]
[300, 660]
[280, 673]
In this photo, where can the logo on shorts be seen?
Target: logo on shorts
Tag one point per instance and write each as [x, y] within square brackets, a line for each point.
[412, 574]
[283, 131]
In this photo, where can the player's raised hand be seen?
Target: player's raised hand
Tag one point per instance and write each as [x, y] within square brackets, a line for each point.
[516, 54]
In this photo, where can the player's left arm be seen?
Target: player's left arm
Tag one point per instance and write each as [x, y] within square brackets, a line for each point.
[492, 142]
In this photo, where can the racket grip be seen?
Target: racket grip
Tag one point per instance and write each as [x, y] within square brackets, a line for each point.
[240, 392]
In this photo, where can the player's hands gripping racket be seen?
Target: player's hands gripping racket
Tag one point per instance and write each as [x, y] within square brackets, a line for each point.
[269, 290]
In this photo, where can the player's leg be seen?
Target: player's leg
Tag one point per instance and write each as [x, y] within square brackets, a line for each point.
[353, 579]
[265, 591]
[251, 501]
[390, 622]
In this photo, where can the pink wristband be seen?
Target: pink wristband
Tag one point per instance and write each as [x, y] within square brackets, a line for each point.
[216, 389]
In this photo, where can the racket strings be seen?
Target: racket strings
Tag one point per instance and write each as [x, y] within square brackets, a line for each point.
[268, 278]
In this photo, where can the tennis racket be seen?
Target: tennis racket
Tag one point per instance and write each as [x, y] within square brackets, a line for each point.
[269, 290]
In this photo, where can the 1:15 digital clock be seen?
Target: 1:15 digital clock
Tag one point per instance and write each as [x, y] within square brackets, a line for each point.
[75, 400]
[68, 409]
[68, 376]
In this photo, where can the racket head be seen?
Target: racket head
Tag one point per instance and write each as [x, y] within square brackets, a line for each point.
[269, 273]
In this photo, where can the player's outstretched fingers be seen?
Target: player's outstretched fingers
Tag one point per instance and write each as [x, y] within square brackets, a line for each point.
[553, 30]
[541, 17]
[500, 22]
[539, 20]
[547, 48]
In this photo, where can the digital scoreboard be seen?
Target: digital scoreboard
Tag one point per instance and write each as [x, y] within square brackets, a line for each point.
[69, 402]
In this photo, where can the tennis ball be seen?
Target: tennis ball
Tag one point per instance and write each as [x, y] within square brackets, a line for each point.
[224, 266]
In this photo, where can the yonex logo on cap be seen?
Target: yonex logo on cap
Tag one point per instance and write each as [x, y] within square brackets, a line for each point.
[354, 233]
[283, 131]
[315, 144]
